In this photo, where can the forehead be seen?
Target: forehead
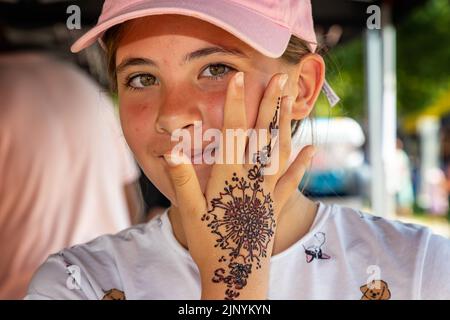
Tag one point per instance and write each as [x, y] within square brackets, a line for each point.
[174, 33]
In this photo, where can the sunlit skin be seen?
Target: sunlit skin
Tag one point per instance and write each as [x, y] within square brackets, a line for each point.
[176, 92]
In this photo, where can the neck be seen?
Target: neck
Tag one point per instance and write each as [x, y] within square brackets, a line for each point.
[294, 222]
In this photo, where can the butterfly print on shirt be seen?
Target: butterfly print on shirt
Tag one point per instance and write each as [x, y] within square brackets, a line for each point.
[315, 250]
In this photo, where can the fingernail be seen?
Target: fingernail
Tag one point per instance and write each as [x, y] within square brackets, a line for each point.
[239, 79]
[282, 81]
[172, 159]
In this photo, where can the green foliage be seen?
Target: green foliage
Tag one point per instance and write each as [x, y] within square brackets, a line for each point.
[345, 72]
[423, 56]
[423, 68]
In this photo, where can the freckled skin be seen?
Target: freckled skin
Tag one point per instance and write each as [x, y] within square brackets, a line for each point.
[181, 98]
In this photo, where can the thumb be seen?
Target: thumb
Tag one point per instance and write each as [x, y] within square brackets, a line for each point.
[294, 174]
[185, 182]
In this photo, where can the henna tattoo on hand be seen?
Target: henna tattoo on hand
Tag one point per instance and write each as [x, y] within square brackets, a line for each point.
[242, 218]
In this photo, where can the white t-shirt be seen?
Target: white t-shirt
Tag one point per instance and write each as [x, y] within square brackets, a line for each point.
[344, 251]
[63, 165]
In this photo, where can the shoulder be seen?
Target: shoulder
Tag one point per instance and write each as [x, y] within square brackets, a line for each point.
[355, 223]
[365, 239]
[89, 270]
[406, 253]
[435, 274]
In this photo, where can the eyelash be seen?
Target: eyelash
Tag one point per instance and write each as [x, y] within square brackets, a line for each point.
[129, 79]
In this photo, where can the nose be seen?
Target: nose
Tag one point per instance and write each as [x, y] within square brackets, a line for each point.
[179, 110]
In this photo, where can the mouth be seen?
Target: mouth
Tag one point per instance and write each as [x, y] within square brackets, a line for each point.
[198, 156]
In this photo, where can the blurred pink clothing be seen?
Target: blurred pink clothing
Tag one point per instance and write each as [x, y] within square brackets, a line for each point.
[63, 165]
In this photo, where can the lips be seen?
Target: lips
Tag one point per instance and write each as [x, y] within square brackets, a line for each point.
[198, 155]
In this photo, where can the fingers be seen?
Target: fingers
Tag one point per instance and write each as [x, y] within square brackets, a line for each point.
[281, 150]
[270, 101]
[285, 139]
[293, 175]
[234, 122]
[267, 123]
[234, 111]
[188, 192]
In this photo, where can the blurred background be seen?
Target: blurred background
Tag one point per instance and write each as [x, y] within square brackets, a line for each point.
[384, 148]
[393, 158]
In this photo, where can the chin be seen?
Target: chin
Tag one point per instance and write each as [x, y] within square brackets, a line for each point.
[203, 171]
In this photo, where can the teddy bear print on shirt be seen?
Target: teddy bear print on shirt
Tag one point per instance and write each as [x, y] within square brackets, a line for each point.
[376, 290]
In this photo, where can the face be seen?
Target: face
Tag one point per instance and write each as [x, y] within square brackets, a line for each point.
[378, 292]
[174, 70]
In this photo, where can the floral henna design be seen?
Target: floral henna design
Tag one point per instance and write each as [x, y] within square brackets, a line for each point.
[242, 218]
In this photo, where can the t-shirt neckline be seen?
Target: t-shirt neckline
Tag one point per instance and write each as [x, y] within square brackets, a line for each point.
[323, 212]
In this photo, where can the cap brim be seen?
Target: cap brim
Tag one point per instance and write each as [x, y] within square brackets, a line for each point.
[259, 32]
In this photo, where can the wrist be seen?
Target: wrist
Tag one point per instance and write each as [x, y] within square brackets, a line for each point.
[235, 281]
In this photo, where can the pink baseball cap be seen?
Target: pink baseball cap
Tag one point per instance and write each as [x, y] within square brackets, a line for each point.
[265, 25]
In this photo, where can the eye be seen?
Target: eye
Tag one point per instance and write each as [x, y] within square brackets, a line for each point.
[216, 71]
[141, 81]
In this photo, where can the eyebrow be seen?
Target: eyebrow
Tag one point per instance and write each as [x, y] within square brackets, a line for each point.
[139, 61]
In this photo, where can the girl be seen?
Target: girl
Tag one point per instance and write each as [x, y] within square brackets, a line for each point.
[237, 227]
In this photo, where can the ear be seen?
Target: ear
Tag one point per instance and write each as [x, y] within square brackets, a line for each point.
[310, 78]
[363, 289]
[386, 292]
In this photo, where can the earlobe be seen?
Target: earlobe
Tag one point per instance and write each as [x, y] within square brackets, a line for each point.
[301, 109]
[311, 77]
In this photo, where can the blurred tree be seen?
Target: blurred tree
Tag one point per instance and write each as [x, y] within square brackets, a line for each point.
[423, 68]
[345, 71]
[423, 57]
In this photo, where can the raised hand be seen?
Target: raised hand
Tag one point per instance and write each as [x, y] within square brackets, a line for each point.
[230, 229]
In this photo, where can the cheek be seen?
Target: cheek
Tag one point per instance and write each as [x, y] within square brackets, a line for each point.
[212, 109]
[213, 104]
[136, 119]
